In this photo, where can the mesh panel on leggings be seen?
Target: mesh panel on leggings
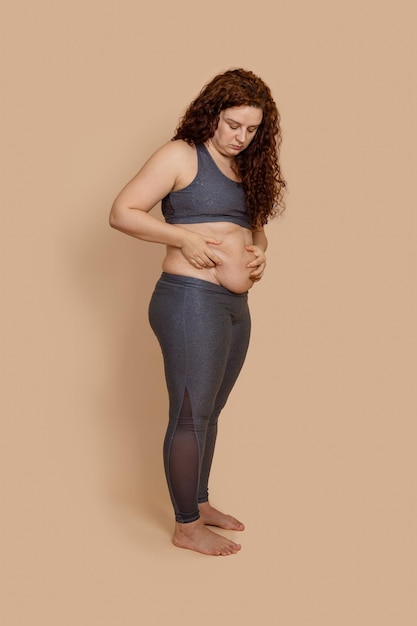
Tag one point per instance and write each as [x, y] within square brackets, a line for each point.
[184, 463]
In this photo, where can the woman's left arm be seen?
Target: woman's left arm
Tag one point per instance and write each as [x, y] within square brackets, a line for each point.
[258, 248]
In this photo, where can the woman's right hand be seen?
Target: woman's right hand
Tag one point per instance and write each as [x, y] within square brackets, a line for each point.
[196, 250]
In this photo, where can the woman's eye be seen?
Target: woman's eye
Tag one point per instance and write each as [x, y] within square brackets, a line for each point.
[233, 127]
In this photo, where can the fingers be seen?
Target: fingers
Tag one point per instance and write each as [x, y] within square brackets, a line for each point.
[260, 258]
[258, 273]
[211, 257]
[199, 252]
[205, 261]
[208, 258]
[258, 263]
[198, 263]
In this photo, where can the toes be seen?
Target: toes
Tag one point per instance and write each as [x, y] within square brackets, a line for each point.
[234, 523]
[229, 548]
[203, 540]
[235, 547]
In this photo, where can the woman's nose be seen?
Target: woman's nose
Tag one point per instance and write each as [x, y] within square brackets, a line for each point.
[241, 135]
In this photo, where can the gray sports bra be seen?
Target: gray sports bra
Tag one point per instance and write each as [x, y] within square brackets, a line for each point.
[210, 197]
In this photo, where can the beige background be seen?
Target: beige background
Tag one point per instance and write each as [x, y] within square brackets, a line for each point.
[317, 445]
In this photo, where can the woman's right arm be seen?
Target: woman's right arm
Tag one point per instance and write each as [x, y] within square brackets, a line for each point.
[130, 210]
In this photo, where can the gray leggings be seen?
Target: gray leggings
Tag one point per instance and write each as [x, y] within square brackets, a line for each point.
[203, 330]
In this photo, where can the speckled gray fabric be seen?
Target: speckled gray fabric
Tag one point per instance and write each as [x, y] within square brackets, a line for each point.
[203, 330]
[210, 197]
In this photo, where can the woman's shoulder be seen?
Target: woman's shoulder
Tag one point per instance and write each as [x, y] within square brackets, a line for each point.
[174, 155]
[178, 149]
[179, 158]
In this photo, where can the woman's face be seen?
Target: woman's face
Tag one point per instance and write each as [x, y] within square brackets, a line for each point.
[236, 129]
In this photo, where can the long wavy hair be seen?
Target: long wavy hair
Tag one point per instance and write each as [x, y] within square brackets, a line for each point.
[258, 165]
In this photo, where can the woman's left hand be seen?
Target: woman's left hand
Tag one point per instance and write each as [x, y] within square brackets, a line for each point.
[259, 262]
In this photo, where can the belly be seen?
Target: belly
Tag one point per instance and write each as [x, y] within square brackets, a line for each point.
[233, 273]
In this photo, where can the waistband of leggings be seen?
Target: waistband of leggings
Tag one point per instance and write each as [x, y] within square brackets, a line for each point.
[198, 283]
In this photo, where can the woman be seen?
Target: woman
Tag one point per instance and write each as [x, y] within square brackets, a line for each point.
[219, 181]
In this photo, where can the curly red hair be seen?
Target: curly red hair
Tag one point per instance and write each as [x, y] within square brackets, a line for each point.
[258, 165]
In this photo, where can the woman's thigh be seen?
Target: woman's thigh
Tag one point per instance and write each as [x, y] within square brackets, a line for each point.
[203, 333]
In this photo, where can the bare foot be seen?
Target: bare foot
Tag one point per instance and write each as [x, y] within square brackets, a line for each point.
[213, 517]
[195, 536]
